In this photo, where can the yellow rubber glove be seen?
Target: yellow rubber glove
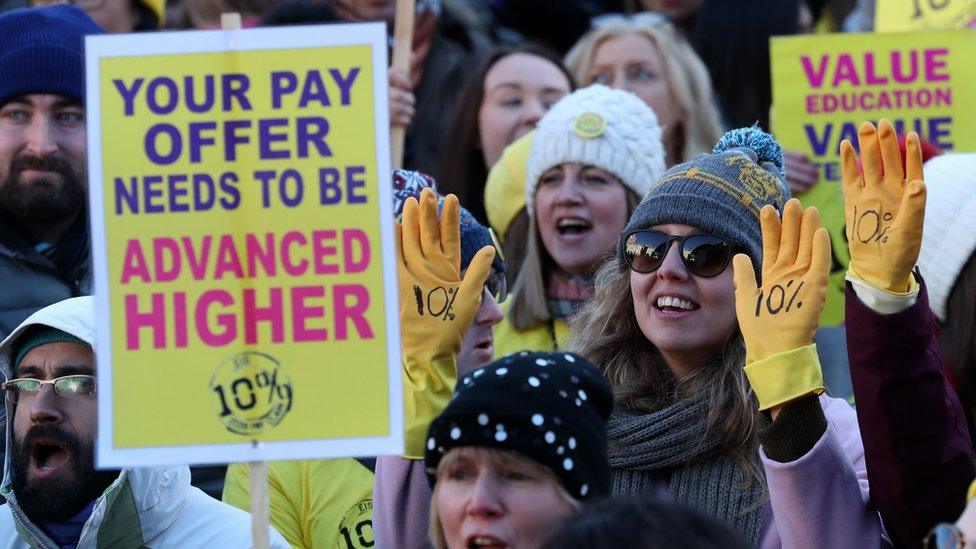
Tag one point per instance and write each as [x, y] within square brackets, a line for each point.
[884, 210]
[778, 319]
[436, 308]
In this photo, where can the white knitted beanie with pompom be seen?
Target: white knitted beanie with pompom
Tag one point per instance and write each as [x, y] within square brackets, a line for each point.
[609, 129]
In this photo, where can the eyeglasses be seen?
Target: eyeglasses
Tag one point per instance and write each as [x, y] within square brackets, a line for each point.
[72, 387]
[944, 536]
[704, 255]
[497, 286]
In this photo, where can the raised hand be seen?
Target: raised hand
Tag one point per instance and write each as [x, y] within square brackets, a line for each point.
[783, 313]
[884, 207]
[436, 308]
[779, 317]
[436, 304]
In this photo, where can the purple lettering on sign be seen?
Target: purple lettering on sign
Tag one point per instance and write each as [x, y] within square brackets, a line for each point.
[153, 193]
[128, 95]
[172, 95]
[266, 138]
[312, 130]
[152, 148]
[208, 94]
[282, 83]
[235, 86]
[232, 139]
[344, 82]
[314, 90]
[198, 140]
[176, 192]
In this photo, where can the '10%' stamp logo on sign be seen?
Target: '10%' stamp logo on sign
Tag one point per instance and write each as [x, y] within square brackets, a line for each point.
[252, 392]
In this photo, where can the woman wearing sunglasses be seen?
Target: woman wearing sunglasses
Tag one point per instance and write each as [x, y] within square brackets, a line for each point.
[716, 378]
[593, 156]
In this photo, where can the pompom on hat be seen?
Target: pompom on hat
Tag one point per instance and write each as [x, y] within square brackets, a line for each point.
[610, 129]
[550, 407]
[720, 193]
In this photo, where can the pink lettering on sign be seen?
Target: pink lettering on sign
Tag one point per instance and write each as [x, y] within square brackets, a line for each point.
[216, 317]
[251, 312]
[322, 252]
[875, 68]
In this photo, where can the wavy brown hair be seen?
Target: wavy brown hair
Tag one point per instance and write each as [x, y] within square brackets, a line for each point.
[606, 332]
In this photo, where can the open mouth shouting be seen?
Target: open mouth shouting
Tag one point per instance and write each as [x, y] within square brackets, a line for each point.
[571, 226]
[48, 456]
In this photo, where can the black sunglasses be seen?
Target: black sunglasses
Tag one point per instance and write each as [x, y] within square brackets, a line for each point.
[704, 255]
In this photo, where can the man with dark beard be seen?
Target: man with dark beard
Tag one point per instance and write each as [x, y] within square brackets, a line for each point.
[44, 245]
[55, 497]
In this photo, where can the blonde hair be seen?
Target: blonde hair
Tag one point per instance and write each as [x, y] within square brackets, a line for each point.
[606, 332]
[687, 76]
[530, 307]
[502, 458]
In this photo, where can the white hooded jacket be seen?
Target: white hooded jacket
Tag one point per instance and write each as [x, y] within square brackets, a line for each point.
[145, 507]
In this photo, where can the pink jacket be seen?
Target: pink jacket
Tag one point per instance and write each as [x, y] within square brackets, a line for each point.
[821, 499]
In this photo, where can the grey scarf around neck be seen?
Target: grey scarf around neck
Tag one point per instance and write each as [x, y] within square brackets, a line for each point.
[675, 442]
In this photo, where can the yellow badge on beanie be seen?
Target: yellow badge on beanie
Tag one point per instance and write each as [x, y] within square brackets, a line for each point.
[589, 125]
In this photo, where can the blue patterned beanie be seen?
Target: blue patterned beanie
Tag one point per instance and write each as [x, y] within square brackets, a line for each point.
[474, 235]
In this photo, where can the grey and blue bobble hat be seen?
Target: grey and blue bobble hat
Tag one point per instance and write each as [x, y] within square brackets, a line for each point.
[42, 50]
[720, 193]
[550, 407]
[474, 235]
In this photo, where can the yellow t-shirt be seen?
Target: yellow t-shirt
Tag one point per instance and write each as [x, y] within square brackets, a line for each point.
[315, 503]
[508, 339]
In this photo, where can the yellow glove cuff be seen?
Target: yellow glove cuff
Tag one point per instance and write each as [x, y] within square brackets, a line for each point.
[427, 389]
[912, 284]
[786, 376]
[971, 493]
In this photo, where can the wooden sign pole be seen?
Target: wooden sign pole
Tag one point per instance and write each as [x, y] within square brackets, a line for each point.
[402, 47]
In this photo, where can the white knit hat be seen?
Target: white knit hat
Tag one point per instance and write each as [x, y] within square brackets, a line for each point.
[610, 129]
[950, 225]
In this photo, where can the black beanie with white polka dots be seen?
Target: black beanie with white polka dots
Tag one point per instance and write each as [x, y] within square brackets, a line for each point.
[551, 407]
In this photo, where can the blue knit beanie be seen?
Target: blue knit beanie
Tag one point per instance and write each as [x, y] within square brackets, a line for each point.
[42, 51]
[474, 235]
[720, 193]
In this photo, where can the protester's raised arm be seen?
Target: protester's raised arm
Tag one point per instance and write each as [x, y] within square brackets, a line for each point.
[436, 308]
[916, 442]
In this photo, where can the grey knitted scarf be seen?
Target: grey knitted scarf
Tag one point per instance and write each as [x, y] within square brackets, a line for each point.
[674, 443]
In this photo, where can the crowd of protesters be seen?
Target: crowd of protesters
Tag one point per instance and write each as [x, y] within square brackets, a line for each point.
[610, 210]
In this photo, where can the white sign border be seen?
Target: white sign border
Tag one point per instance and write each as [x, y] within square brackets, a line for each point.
[107, 456]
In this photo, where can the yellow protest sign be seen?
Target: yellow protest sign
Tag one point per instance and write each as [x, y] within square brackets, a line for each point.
[825, 86]
[916, 15]
[242, 245]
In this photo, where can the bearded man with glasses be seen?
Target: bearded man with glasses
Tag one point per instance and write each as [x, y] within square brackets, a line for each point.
[55, 496]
